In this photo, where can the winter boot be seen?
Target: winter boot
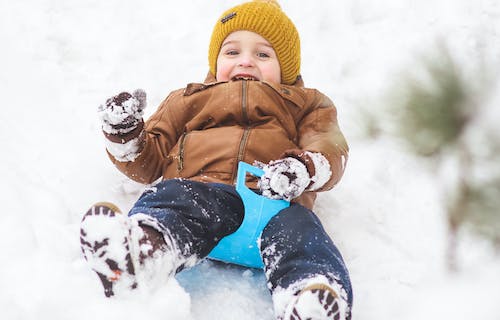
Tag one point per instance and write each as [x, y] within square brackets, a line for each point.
[118, 248]
[317, 302]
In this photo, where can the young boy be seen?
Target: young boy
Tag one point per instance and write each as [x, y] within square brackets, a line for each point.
[252, 107]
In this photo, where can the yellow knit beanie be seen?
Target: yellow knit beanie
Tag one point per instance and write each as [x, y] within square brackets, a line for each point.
[265, 18]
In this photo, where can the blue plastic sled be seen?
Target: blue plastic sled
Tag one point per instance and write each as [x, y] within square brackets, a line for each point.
[241, 246]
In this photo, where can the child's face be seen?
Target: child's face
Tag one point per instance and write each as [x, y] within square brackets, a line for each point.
[247, 55]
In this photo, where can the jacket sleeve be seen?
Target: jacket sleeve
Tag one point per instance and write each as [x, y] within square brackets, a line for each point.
[318, 131]
[161, 132]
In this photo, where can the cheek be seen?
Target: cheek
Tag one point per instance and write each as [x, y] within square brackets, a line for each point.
[222, 71]
[271, 73]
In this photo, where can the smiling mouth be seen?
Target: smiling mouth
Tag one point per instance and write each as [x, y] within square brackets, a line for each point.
[244, 77]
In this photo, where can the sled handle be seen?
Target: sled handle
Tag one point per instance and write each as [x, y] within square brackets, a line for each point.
[243, 169]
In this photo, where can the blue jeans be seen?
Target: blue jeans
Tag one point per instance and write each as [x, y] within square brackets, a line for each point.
[197, 215]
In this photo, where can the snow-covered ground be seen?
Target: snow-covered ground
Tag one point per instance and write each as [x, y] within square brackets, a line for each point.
[60, 59]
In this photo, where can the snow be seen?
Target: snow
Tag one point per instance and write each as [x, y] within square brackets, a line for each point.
[276, 185]
[61, 59]
[307, 306]
[124, 152]
[282, 298]
[322, 169]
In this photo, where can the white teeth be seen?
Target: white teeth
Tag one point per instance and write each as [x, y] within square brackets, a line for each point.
[244, 78]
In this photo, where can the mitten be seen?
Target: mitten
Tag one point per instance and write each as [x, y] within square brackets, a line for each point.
[289, 177]
[285, 179]
[122, 113]
[122, 123]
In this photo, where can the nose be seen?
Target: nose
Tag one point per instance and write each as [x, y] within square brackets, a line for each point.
[246, 61]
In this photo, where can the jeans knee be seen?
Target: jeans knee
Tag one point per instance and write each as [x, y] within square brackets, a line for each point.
[294, 221]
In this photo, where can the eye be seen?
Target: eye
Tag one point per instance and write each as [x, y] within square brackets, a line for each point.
[232, 52]
[262, 55]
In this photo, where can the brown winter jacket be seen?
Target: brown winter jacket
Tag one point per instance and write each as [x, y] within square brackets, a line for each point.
[201, 132]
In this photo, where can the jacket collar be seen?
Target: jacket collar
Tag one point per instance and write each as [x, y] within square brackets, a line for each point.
[282, 89]
[210, 78]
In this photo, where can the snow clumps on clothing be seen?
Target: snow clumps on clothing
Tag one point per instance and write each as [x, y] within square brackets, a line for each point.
[286, 298]
[288, 178]
[127, 151]
[118, 243]
[322, 170]
[122, 113]
[284, 179]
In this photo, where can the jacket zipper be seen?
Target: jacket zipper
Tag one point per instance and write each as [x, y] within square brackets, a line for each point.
[180, 160]
[246, 130]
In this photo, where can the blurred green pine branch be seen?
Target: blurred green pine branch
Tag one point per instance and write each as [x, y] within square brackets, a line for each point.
[434, 109]
[434, 114]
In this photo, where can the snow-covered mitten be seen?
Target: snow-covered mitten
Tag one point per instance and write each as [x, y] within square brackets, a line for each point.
[284, 179]
[317, 301]
[119, 250]
[122, 123]
[289, 177]
[123, 113]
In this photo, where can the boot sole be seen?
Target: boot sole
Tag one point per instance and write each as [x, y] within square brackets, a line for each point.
[105, 243]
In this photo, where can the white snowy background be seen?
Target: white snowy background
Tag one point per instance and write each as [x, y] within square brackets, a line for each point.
[59, 59]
